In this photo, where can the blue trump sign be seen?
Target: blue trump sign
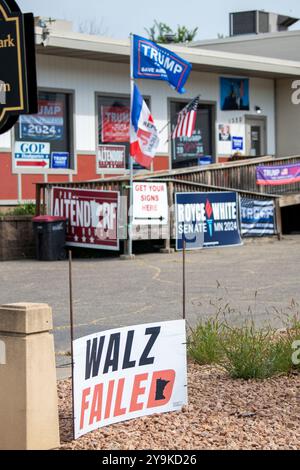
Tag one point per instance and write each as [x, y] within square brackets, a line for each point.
[207, 220]
[237, 143]
[60, 160]
[257, 217]
[154, 62]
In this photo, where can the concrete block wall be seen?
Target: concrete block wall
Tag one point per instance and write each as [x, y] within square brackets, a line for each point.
[16, 238]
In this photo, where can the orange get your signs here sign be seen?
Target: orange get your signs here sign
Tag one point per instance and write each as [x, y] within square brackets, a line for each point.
[129, 372]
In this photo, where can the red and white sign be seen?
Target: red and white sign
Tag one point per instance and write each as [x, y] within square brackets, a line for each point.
[92, 216]
[111, 157]
[115, 123]
[150, 204]
[129, 372]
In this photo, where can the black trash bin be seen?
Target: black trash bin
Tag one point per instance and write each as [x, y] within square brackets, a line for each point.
[50, 237]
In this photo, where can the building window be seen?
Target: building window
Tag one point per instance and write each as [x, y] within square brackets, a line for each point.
[44, 140]
[191, 151]
[114, 133]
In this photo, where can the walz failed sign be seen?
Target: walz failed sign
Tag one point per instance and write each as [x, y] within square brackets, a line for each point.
[150, 204]
[92, 216]
[18, 90]
[211, 218]
[129, 372]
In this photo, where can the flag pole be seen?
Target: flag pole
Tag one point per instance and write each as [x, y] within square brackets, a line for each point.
[130, 157]
[183, 279]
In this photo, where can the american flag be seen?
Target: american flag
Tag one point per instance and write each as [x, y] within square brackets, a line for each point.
[186, 120]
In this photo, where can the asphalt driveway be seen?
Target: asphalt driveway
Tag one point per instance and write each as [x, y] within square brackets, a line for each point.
[261, 279]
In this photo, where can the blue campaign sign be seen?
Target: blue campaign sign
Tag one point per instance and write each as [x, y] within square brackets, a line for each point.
[207, 219]
[60, 160]
[257, 217]
[41, 127]
[41, 131]
[205, 160]
[154, 62]
[237, 143]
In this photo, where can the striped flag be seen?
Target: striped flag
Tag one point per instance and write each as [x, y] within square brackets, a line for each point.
[143, 133]
[186, 120]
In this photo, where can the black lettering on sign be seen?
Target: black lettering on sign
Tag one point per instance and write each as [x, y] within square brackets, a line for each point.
[112, 355]
[18, 90]
[127, 363]
[154, 333]
[93, 357]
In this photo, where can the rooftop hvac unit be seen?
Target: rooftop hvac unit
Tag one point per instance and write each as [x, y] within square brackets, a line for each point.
[257, 21]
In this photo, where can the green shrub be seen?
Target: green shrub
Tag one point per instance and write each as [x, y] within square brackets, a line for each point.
[204, 344]
[244, 351]
[248, 352]
[281, 356]
[236, 344]
[22, 209]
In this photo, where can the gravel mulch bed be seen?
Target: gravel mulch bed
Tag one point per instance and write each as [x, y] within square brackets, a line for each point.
[222, 414]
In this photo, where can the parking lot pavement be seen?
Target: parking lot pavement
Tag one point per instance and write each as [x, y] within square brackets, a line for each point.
[260, 279]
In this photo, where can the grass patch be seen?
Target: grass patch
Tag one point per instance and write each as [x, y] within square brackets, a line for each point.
[204, 344]
[247, 352]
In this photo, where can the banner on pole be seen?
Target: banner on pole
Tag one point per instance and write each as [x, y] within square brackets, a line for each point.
[207, 219]
[129, 372]
[144, 138]
[155, 62]
[92, 216]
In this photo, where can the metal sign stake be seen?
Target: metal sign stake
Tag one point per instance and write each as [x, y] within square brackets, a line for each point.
[183, 279]
[71, 335]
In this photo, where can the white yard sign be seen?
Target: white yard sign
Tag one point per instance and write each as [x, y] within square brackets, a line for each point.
[129, 372]
[150, 204]
[32, 155]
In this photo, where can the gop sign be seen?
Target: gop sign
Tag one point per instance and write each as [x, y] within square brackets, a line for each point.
[129, 372]
[18, 90]
[92, 216]
[32, 155]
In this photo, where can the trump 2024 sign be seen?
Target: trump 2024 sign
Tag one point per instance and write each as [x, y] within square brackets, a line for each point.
[129, 372]
[207, 220]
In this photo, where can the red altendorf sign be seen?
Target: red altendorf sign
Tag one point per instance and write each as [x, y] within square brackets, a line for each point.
[92, 216]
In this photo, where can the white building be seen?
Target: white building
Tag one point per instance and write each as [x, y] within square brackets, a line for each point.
[82, 78]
